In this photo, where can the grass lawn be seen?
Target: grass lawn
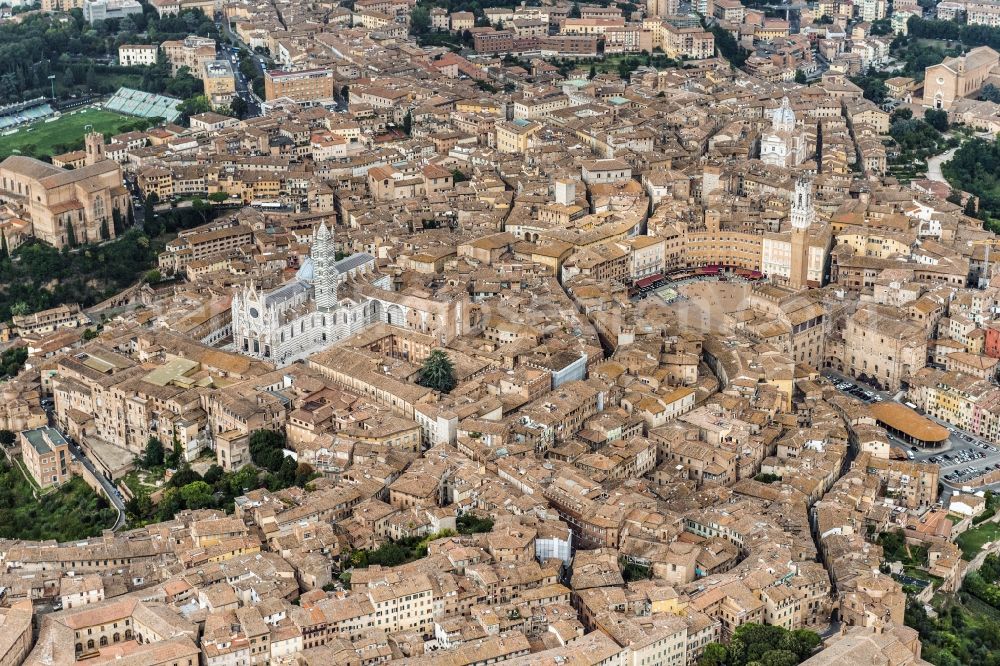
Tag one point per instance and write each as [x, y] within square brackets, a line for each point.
[65, 133]
[972, 541]
[980, 607]
[143, 482]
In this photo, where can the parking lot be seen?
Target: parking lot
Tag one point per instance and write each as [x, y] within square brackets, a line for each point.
[968, 459]
[860, 392]
[962, 459]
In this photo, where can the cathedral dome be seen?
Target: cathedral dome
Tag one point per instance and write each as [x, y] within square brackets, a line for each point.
[784, 117]
[305, 272]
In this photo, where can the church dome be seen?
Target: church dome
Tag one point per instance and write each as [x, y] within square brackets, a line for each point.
[305, 272]
[784, 117]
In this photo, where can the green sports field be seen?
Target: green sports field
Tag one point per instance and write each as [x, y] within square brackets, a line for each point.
[43, 139]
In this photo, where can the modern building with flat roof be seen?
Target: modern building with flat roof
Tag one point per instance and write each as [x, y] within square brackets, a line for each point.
[220, 84]
[46, 456]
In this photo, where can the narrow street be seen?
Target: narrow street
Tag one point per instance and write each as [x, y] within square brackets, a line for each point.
[243, 87]
[110, 492]
[109, 489]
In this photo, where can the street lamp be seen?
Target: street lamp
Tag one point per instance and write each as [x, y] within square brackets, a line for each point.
[52, 80]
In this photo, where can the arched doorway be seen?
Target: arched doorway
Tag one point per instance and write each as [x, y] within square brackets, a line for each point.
[394, 316]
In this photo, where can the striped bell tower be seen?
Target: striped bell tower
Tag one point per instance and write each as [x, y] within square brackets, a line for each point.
[325, 275]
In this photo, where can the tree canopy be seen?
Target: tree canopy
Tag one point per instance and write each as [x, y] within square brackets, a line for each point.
[266, 449]
[975, 168]
[438, 372]
[153, 456]
[766, 645]
[80, 55]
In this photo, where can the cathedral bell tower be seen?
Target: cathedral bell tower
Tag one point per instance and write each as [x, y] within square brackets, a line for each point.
[325, 274]
[94, 146]
[803, 215]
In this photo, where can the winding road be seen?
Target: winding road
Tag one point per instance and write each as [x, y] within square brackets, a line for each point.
[109, 488]
[110, 492]
[934, 166]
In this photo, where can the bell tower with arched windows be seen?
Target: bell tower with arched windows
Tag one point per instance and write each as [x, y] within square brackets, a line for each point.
[325, 275]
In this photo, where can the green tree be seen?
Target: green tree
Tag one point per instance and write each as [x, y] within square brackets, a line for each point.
[766, 645]
[872, 86]
[420, 20]
[184, 476]
[153, 457]
[990, 93]
[89, 334]
[970, 207]
[715, 654]
[140, 506]
[176, 453]
[127, 25]
[70, 236]
[937, 119]
[197, 495]
[800, 76]
[105, 235]
[438, 372]
[214, 474]
[304, 472]
[116, 219]
[7, 437]
[153, 276]
[12, 360]
[975, 168]
[244, 480]
[470, 524]
[881, 27]
[901, 113]
[266, 449]
[20, 309]
[239, 107]
[149, 214]
[8, 86]
[728, 46]
[199, 206]
[4, 252]
[778, 658]
[802, 642]
[192, 106]
[574, 10]
[408, 123]
[218, 197]
[286, 472]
